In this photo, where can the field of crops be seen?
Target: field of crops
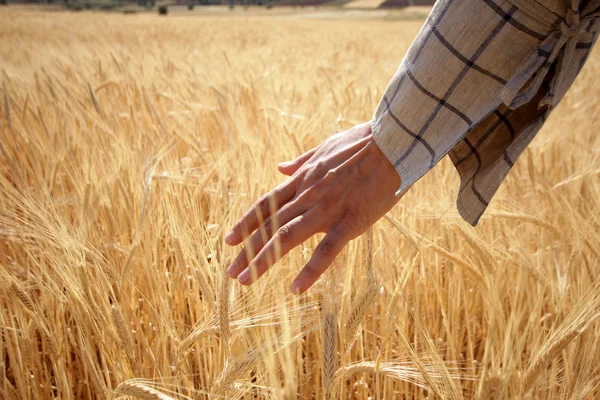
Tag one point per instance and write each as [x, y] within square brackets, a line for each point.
[129, 144]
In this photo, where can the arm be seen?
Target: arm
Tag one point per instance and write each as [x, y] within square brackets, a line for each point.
[478, 83]
[470, 57]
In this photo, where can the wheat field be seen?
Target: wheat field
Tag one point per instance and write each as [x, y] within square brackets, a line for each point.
[129, 144]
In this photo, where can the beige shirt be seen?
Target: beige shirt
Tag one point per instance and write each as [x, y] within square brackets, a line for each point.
[478, 83]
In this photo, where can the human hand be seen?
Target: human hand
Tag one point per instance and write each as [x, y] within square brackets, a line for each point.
[341, 188]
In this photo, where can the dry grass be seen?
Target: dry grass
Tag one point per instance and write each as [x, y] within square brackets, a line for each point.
[129, 144]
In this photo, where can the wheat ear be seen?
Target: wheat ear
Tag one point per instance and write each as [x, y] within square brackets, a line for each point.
[141, 391]
[491, 387]
[123, 332]
[9, 392]
[552, 350]
[194, 336]
[23, 298]
[361, 305]
[470, 269]
[366, 298]
[548, 355]
[223, 311]
[235, 369]
[329, 352]
[40, 322]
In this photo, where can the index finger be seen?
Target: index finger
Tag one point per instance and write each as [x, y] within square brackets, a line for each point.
[260, 211]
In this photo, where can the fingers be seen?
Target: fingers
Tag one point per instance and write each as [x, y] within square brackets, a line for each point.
[262, 236]
[260, 211]
[283, 241]
[290, 167]
[323, 257]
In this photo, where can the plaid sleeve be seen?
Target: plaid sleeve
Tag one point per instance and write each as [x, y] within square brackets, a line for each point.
[478, 83]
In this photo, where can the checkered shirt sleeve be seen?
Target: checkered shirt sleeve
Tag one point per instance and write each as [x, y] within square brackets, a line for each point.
[478, 83]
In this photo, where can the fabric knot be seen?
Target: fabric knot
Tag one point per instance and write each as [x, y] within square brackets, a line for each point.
[571, 26]
[565, 38]
[570, 31]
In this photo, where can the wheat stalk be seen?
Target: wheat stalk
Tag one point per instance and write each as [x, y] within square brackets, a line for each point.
[207, 293]
[95, 101]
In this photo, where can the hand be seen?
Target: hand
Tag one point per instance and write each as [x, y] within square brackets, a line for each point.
[340, 188]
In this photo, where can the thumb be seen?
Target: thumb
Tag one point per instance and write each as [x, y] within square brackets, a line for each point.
[290, 167]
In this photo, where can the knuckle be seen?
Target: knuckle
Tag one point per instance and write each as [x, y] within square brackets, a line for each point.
[268, 226]
[331, 175]
[263, 202]
[284, 234]
[320, 167]
[318, 185]
[310, 271]
[276, 192]
[241, 257]
[310, 194]
[326, 248]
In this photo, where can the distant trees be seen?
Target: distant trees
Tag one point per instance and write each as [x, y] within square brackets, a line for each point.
[232, 3]
[146, 3]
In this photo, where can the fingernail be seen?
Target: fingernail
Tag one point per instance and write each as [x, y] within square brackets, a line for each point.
[232, 268]
[295, 288]
[244, 277]
[229, 237]
[284, 163]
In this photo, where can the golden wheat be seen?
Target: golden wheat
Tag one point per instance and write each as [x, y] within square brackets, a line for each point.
[129, 144]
